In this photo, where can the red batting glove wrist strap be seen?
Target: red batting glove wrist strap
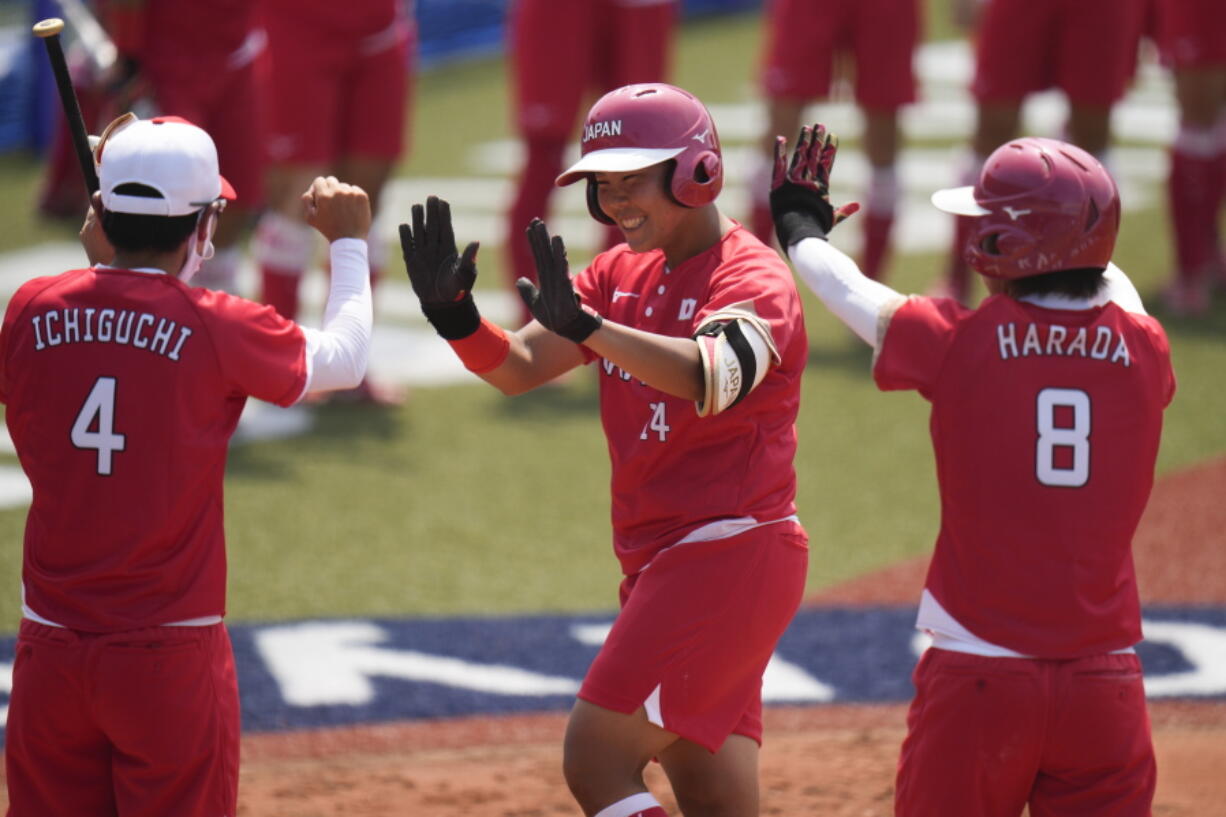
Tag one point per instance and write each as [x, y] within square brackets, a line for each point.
[483, 350]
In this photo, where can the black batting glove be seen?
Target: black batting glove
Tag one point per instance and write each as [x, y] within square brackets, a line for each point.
[800, 190]
[442, 279]
[555, 304]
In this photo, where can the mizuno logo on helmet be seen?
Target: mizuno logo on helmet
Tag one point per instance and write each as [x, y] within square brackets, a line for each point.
[1013, 214]
[702, 137]
[598, 129]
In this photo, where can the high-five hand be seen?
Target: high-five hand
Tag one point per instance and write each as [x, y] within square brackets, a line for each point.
[800, 190]
[441, 278]
[555, 304]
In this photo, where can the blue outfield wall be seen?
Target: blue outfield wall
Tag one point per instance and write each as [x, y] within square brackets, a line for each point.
[449, 30]
[312, 674]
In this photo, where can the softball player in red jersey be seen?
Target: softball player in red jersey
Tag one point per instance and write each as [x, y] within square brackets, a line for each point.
[124, 695]
[339, 79]
[1047, 407]
[200, 60]
[560, 53]
[1192, 35]
[698, 334]
[1087, 49]
[804, 39]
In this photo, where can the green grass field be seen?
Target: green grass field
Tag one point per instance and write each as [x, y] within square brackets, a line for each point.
[466, 502]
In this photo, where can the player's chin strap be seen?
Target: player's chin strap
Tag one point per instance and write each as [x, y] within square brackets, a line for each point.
[737, 350]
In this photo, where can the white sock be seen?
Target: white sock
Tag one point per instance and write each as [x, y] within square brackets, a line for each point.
[883, 190]
[630, 805]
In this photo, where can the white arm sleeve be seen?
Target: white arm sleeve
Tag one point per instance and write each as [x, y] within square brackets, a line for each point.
[1120, 289]
[337, 353]
[854, 299]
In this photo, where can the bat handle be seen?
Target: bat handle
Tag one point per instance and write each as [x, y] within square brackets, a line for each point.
[48, 31]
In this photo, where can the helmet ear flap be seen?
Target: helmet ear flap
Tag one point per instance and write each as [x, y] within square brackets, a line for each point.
[593, 203]
[703, 181]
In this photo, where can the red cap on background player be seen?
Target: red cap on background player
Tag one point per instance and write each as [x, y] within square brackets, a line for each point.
[1041, 205]
[637, 126]
[168, 154]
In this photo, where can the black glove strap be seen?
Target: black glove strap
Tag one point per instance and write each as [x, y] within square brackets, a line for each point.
[454, 321]
[799, 214]
[580, 327]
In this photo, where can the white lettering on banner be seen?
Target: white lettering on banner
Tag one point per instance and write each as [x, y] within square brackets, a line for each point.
[318, 664]
[782, 681]
[1202, 646]
[6, 686]
[785, 681]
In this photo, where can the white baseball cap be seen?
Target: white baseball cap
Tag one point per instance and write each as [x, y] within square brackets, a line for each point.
[168, 154]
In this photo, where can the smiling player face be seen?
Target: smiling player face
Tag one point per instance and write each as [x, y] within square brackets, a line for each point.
[641, 208]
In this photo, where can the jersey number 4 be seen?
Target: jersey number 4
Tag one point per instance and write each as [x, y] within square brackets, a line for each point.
[95, 424]
[1062, 452]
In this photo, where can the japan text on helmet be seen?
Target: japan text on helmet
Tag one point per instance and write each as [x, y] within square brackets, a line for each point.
[1040, 205]
[637, 126]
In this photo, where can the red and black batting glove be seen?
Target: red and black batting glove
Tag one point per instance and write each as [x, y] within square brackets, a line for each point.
[800, 189]
[441, 278]
[555, 304]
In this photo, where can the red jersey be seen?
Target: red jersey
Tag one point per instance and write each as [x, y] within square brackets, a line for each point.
[674, 471]
[209, 35]
[1045, 425]
[353, 18]
[123, 389]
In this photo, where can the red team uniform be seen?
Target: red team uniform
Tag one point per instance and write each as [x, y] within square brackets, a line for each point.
[339, 77]
[1070, 402]
[697, 332]
[151, 376]
[561, 52]
[711, 496]
[805, 36]
[123, 386]
[806, 40]
[200, 58]
[1088, 49]
[1192, 38]
[1191, 33]
[1047, 405]
[339, 83]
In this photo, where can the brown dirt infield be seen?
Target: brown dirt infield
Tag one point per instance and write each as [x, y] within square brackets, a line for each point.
[828, 760]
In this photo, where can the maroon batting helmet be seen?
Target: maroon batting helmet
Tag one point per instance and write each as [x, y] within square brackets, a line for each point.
[1041, 205]
[637, 126]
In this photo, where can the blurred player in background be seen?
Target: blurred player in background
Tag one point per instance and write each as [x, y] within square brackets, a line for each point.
[124, 697]
[806, 39]
[339, 79]
[1047, 407]
[698, 332]
[1192, 39]
[1087, 49]
[199, 60]
[560, 53]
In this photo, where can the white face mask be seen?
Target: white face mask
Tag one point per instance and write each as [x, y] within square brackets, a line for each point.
[191, 264]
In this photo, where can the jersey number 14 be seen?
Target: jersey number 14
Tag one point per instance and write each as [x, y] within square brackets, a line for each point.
[95, 424]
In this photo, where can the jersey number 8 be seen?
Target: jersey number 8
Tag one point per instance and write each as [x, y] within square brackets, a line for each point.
[1064, 439]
